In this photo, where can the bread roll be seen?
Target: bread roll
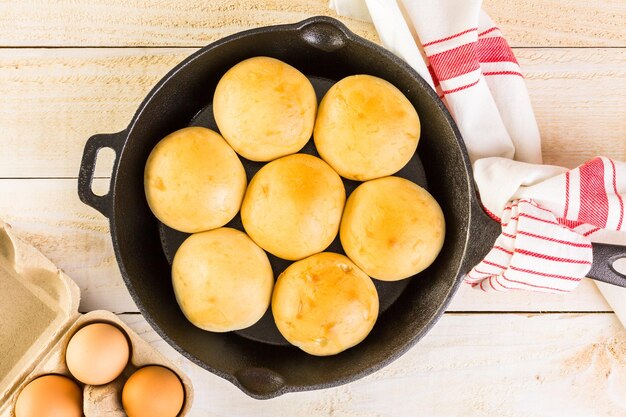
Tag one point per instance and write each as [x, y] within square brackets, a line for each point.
[293, 206]
[222, 280]
[392, 228]
[324, 304]
[366, 128]
[265, 108]
[194, 181]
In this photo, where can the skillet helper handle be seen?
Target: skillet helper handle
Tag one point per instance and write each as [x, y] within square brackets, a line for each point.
[260, 383]
[103, 203]
[324, 33]
[603, 269]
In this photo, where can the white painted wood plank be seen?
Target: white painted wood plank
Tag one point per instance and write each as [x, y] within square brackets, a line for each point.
[579, 99]
[48, 214]
[53, 100]
[554, 365]
[560, 22]
[171, 22]
[586, 297]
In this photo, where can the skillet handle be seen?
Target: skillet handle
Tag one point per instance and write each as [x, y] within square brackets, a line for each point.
[104, 203]
[603, 267]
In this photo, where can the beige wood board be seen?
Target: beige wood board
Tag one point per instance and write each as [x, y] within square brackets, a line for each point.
[196, 23]
[560, 23]
[53, 100]
[505, 365]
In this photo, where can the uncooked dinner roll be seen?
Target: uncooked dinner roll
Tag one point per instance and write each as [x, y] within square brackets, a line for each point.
[194, 181]
[293, 206]
[366, 128]
[392, 228]
[222, 280]
[324, 304]
[265, 108]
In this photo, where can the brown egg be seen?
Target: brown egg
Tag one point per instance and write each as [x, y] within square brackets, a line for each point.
[97, 354]
[153, 391]
[50, 396]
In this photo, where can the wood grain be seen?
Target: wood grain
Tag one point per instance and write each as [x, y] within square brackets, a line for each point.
[196, 23]
[150, 22]
[579, 98]
[48, 214]
[560, 22]
[468, 365]
[585, 298]
[53, 100]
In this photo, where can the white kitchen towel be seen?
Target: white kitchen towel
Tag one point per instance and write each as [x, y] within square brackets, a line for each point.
[548, 214]
[549, 217]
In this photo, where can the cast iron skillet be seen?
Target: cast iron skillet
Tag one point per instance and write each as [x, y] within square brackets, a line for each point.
[258, 360]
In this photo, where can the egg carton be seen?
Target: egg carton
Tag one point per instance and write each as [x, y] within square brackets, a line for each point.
[39, 315]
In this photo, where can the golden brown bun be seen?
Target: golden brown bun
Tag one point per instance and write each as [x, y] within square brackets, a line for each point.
[194, 181]
[293, 206]
[222, 280]
[265, 108]
[366, 128]
[324, 304]
[392, 228]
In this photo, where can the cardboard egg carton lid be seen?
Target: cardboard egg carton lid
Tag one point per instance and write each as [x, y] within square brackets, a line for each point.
[39, 302]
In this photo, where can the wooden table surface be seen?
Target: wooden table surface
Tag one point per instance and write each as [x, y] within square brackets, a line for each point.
[72, 68]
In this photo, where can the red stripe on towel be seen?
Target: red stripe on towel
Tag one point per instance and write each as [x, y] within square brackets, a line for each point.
[543, 274]
[592, 231]
[594, 203]
[519, 74]
[455, 62]
[510, 252]
[461, 88]
[494, 264]
[551, 258]
[433, 75]
[533, 285]
[488, 31]
[619, 197]
[564, 242]
[495, 50]
[456, 35]
[493, 216]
